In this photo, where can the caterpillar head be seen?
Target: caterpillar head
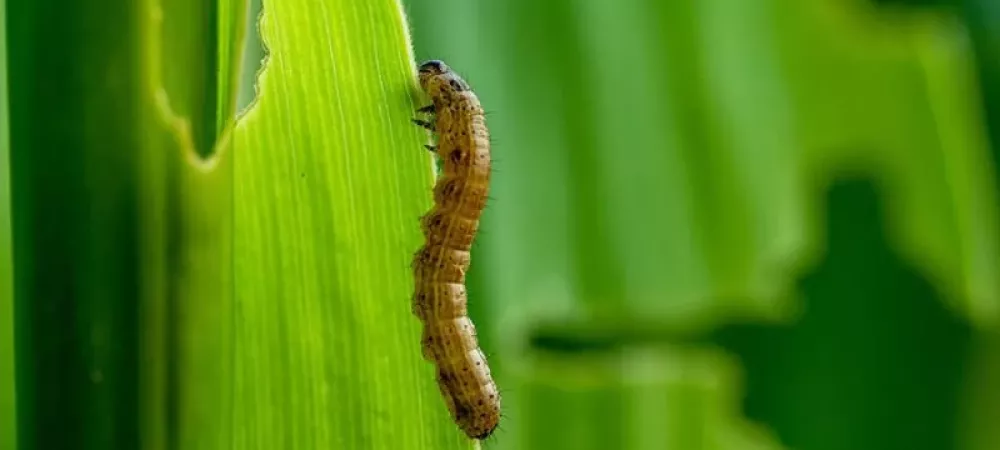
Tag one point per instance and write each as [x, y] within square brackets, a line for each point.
[439, 82]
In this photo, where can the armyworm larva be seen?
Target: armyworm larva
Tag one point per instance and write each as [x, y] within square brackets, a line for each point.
[439, 299]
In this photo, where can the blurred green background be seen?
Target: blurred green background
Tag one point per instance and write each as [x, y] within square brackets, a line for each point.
[730, 224]
[715, 224]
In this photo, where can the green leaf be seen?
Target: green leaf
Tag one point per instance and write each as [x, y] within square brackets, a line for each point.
[122, 232]
[77, 116]
[231, 19]
[8, 429]
[330, 182]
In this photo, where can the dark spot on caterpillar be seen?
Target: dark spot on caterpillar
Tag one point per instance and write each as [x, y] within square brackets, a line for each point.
[450, 188]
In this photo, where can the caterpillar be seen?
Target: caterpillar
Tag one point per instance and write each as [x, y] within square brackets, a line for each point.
[439, 300]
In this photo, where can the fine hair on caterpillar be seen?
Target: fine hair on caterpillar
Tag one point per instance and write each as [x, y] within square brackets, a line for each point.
[439, 300]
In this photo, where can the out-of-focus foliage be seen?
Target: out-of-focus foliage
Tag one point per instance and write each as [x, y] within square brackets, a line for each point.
[807, 184]
[8, 433]
[120, 232]
[75, 221]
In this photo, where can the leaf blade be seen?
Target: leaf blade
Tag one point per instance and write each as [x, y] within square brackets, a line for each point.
[330, 180]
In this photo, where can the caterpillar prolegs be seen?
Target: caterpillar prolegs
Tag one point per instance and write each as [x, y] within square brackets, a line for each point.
[439, 299]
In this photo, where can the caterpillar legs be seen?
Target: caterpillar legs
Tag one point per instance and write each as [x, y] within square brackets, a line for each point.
[429, 109]
[424, 123]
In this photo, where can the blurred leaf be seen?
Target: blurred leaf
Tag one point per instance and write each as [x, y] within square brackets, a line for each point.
[232, 19]
[253, 56]
[8, 426]
[188, 313]
[330, 180]
[734, 118]
[76, 122]
[199, 44]
[894, 92]
[977, 422]
[983, 394]
[662, 164]
[122, 234]
[643, 397]
[872, 328]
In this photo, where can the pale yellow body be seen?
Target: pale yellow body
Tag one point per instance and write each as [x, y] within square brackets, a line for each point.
[449, 337]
